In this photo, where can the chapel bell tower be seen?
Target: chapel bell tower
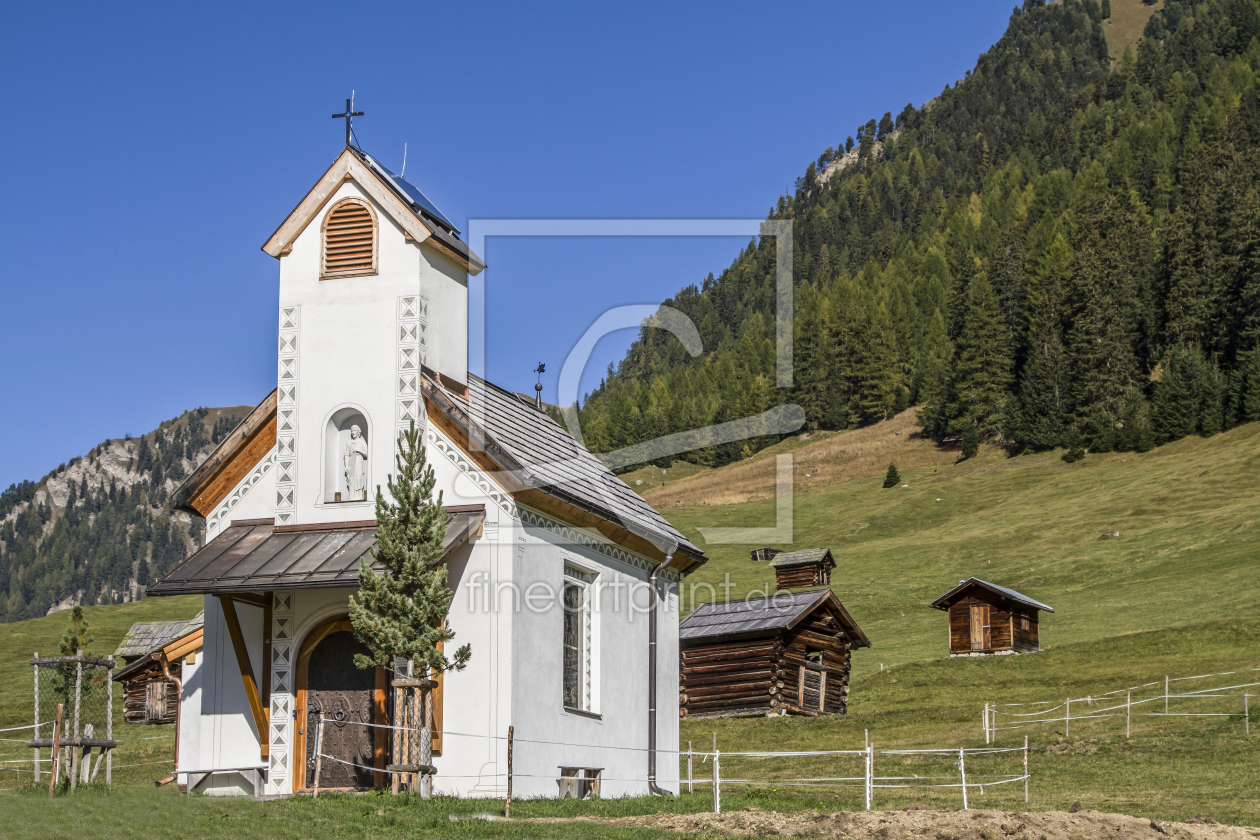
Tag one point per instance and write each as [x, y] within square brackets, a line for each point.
[373, 291]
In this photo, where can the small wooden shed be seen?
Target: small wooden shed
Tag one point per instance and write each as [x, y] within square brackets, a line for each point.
[987, 619]
[809, 567]
[783, 654]
[148, 697]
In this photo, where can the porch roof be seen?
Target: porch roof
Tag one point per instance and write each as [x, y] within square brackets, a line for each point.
[256, 555]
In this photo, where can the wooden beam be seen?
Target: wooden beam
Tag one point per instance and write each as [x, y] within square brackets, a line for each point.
[253, 599]
[247, 670]
[235, 468]
[184, 645]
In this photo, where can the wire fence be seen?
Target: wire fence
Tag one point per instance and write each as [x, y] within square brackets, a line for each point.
[945, 769]
[1188, 704]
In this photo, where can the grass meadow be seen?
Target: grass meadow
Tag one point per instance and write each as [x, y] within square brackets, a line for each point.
[1174, 595]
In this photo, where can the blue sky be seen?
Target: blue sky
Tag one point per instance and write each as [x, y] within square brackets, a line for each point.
[152, 149]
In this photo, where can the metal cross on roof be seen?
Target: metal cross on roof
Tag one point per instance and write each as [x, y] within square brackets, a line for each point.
[348, 116]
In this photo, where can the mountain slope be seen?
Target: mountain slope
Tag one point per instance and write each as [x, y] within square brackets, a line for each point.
[99, 528]
[1187, 512]
[1052, 249]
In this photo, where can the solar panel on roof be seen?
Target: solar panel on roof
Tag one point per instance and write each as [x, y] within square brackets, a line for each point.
[414, 195]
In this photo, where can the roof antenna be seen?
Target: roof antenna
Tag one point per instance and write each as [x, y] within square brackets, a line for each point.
[404, 170]
[540, 370]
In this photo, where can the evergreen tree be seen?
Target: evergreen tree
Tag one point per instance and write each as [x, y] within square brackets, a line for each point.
[885, 126]
[1075, 443]
[982, 367]
[970, 442]
[1106, 9]
[892, 478]
[848, 144]
[1179, 395]
[402, 612]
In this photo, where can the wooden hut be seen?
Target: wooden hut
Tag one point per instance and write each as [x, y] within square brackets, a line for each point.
[148, 697]
[987, 619]
[785, 654]
[810, 567]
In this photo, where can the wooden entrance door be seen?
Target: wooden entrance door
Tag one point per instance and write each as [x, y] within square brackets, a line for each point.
[330, 685]
[980, 627]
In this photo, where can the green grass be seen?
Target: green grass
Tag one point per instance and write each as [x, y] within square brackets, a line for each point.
[1124, 28]
[18, 641]
[1174, 596]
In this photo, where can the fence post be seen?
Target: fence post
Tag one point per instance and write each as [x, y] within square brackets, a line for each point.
[507, 805]
[870, 770]
[109, 726]
[1165, 694]
[36, 667]
[1025, 768]
[717, 781]
[56, 750]
[1246, 712]
[78, 704]
[1067, 719]
[717, 796]
[962, 769]
[319, 749]
[690, 788]
[1128, 714]
[984, 721]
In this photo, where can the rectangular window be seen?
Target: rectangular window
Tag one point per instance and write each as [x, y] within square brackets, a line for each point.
[574, 645]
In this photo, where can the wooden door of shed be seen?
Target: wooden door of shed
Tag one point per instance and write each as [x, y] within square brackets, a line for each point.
[980, 636]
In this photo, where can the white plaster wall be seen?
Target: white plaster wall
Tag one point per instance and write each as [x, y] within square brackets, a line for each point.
[227, 737]
[617, 739]
[348, 347]
[256, 500]
[190, 715]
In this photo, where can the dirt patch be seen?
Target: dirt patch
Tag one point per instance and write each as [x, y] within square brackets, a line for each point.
[922, 823]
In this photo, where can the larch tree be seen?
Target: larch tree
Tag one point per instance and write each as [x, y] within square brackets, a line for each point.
[401, 612]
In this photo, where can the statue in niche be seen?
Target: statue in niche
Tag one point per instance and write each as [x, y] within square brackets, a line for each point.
[355, 462]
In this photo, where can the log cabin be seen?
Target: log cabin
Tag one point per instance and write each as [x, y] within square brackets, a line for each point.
[987, 619]
[785, 654]
[797, 569]
[148, 696]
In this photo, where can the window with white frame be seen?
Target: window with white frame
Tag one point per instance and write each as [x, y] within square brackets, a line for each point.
[576, 602]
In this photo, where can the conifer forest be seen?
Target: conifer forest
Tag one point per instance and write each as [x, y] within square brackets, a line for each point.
[1060, 250]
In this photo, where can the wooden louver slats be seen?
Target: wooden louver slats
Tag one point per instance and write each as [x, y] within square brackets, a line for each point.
[349, 240]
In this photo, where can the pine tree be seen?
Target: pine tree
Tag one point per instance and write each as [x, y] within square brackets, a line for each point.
[1106, 9]
[892, 478]
[1075, 445]
[402, 612]
[982, 366]
[970, 442]
[1179, 395]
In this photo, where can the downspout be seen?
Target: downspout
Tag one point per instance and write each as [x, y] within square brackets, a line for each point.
[179, 702]
[652, 786]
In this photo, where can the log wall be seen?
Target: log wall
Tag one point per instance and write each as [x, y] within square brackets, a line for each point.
[797, 577]
[149, 697]
[801, 671]
[1005, 631]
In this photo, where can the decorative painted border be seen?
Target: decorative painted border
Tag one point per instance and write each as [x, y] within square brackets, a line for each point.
[219, 517]
[565, 532]
[287, 413]
[413, 345]
[280, 737]
[465, 465]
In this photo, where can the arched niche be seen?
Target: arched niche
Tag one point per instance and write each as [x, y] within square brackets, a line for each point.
[339, 440]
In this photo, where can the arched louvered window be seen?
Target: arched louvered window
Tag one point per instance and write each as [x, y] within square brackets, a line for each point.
[349, 239]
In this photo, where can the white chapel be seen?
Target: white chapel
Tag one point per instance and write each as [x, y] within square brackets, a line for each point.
[565, 582]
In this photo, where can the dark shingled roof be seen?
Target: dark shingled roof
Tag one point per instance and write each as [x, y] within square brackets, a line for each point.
[555, 461]
[756, 616]
[942, 603]
[147, 636]
[804, 557]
